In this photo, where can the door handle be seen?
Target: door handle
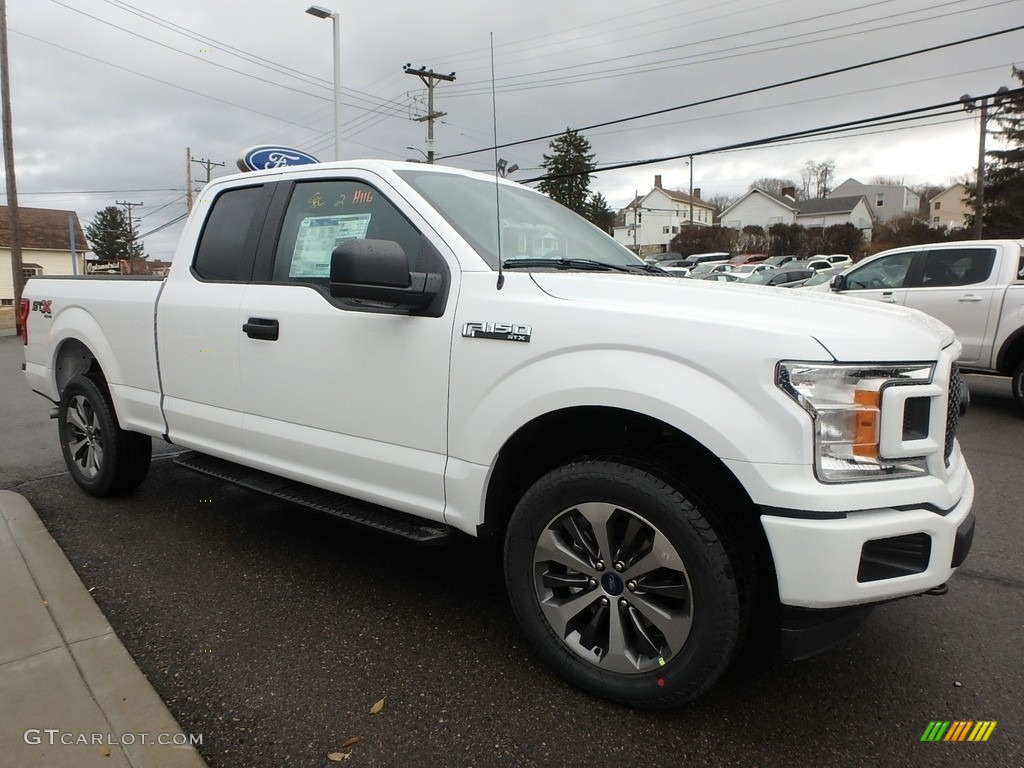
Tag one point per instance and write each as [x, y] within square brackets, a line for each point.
[887, 297]
[969, 299]
[261, 328]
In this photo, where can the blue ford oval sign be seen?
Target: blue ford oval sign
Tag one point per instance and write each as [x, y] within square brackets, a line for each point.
[264, 156]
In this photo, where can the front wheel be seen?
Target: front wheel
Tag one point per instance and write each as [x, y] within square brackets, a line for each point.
[622, 584]
[102, 458]
[1018, 385]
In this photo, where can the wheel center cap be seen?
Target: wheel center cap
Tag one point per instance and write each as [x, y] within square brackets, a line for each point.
[612, 584]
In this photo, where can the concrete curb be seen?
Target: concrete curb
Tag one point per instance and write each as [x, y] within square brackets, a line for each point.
[70, 693]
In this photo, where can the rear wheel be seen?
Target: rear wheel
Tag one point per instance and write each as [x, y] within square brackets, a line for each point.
[1018, 384]
[102, 458]
[622, 584]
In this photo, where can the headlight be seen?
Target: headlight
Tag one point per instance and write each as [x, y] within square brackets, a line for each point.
[845, 405]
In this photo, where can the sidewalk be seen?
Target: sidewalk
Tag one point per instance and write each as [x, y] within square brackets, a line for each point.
[70, 694]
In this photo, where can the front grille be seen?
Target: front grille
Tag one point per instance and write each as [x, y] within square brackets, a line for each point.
[956, 395]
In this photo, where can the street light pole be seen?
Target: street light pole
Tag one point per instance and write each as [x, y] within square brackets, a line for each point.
[324, 13]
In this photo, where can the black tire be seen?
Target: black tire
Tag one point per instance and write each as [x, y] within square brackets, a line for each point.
[653, 621]
[102, 458]
[1017, 383]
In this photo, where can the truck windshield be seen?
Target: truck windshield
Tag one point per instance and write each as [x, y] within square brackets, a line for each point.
[536, 232]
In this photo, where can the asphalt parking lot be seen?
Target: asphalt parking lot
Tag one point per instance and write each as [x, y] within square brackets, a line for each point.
[273, 631]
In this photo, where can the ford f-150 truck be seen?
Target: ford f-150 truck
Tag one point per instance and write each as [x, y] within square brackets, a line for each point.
[437, 353]
[976, 287]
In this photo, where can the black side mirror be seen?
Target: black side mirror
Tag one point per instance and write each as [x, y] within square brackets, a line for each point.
[838, 283]
[378, 270]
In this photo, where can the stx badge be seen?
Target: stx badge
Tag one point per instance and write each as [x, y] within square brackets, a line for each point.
[43, 307]
[500, 331]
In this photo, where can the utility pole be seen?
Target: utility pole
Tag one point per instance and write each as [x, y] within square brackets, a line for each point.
[429, 78]
[17, 268]
[207, 164]
[131, 222]
[979, 190]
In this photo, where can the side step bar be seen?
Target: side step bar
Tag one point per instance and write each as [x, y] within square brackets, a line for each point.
[415, 529]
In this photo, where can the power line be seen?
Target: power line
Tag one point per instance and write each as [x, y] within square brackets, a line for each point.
[749, 91]
[951, 107]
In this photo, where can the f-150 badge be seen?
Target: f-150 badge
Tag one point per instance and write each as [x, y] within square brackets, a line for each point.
[500, 331]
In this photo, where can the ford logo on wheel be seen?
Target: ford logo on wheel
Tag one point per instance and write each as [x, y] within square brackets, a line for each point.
[264, 156]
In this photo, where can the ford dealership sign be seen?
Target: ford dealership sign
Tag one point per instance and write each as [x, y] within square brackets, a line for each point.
[264, 156]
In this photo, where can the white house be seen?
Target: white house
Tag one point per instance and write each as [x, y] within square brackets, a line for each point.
[949, 208]
[887, 202]
[763, 209]
[648, 224]
[45, 246]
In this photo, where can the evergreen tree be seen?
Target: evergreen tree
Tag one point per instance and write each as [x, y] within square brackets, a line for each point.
[599, 213]
[568, 168]
[1003, 215]
[112, 236]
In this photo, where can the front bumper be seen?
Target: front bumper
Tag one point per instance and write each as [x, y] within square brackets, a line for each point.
[867, 556]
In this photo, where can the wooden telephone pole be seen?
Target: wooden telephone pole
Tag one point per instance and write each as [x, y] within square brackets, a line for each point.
[17, 273]
[430, 79]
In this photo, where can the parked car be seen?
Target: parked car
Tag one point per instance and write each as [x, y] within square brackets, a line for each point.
[708, 268]
[783, 278]
[839, 259]
[819, 281]
[744, 271]
[748, 258]
[778, 261]
[818, 263]
[976, 287]
[713, 257]
[722, 277]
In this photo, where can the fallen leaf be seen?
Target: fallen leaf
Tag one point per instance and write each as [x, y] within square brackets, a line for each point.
[351, 741]
[105, 751]
[378, 707]
[337, 757]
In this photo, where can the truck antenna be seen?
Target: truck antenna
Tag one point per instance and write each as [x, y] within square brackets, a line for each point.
[497, 185]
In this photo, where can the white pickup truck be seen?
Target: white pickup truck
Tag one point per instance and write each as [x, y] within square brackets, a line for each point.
[976, 287]
[436, 353]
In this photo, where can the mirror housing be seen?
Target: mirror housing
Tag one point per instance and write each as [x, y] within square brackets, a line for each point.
[378, 270]
[838, 283]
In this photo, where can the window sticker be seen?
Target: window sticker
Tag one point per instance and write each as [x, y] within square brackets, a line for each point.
[319, 236]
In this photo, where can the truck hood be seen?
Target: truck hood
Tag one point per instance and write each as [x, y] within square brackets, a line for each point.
[851, 330]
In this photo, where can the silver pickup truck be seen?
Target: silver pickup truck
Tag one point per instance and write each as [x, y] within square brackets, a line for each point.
[976, 287]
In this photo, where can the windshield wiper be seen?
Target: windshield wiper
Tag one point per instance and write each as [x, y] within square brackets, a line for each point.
[563, 263]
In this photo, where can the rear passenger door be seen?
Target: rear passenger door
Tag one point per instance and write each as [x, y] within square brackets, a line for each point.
[956, 286]
[197, 325]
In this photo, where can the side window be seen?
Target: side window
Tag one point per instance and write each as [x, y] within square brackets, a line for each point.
[322, 214]
[228, 240]
[886, 272]
[956, 267]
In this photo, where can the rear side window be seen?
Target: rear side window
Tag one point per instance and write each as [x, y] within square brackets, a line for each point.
[228, 241]
[956, 267]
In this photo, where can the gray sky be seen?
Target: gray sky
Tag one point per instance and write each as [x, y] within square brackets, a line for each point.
[107, 94]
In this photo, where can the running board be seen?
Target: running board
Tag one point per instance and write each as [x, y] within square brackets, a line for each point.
[414, 529]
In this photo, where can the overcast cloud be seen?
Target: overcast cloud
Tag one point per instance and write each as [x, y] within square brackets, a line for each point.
[103, 114]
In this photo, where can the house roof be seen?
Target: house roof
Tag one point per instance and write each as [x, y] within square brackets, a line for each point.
[788, 202]
[828, 205]
[42, 229]
[958, 189]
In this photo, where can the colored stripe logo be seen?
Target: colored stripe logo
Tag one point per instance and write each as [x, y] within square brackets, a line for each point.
[958, 730]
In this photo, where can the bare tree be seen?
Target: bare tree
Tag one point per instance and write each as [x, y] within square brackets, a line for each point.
[817, 177]
[887, 181]
[774, 185]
